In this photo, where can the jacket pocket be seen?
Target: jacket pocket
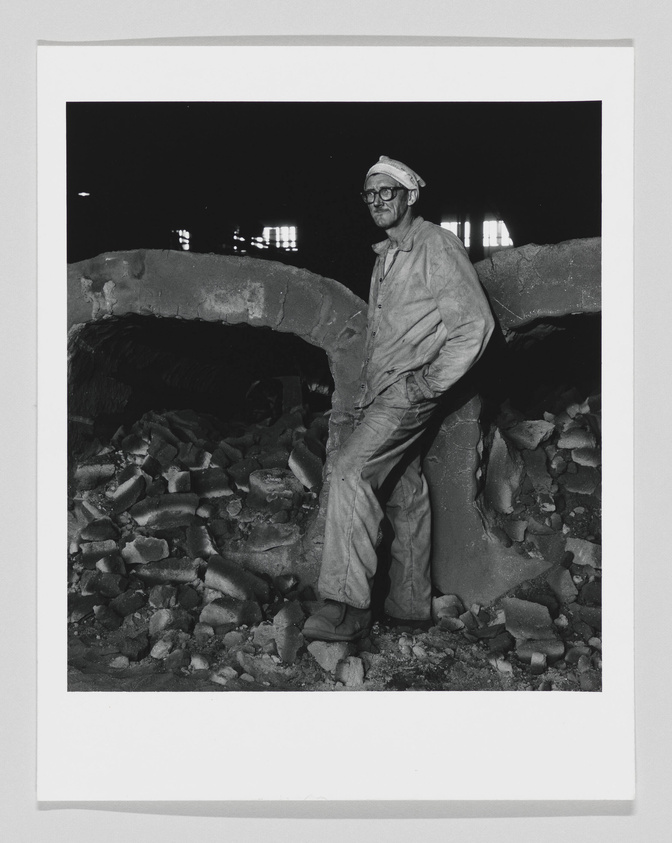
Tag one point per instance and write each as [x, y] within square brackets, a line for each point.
[417, 389]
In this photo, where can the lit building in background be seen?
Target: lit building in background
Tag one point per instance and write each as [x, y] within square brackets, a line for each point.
[460, 228]
[279, 237]
[495, 233]
[282, 237]
[183, 238]
[495, 236]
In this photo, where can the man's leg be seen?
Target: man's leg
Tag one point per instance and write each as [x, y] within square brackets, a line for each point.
[408, 509]
[389, 427]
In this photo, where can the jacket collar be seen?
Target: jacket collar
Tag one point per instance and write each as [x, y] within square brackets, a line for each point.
[406, 244]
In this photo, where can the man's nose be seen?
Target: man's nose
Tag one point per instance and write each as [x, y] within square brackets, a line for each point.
[376, 199]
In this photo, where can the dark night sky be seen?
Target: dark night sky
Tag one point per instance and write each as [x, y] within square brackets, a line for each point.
[155, 167]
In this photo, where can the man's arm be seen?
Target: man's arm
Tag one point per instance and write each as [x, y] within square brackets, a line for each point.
[465, 313]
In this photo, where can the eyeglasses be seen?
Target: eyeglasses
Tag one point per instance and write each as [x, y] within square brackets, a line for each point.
[385, 193]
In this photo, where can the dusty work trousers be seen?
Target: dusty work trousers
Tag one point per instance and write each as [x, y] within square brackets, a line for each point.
[376, 451]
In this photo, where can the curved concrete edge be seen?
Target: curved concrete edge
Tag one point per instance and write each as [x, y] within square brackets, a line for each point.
[234, 290]
[535, 282]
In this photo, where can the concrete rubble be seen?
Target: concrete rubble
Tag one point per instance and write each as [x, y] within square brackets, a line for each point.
[186, 543]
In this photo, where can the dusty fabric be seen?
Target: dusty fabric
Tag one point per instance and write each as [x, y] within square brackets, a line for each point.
[428, 314]
[429, 321]
[376, 452]
[403, 174]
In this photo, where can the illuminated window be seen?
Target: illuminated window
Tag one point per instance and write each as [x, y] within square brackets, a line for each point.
[183, 238]
[278, 237]
[460, 229]
[495, 235]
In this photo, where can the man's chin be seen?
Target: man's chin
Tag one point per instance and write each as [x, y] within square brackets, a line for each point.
[381, 220]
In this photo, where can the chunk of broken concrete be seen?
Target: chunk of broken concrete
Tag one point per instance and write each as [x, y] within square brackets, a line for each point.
[529, 434]
[537, 470]
[306, 466]
[591, 594]
[289, 641]
[188, 597]
[223, 675]
[228, 610]
[161, 649]
[145, 549]
[585, 552]
[591, 615]
[552, 649]
[107, 618]
[264, 638]
[350, 671]
[199, 542]
[176, 510]
[165, 619]
[135, 444]
[162, 596]
[538, 663]
[329, 654]
[178, 479]
[128, 492]
[80, 606]
[199, 662]
[211, 483]
[561, 582]
[590, 457]
[93, 551]
[240, 472]
[584, 482]
[503, 479]
[98, 530]
[525, 619]
[169, 570]
[274, 484]
[577, 437]
[128, 602]
[274, 458]
[268, 536]
[112, 564]
[97, 582]
[91, 476]
[290, 614]
[447, 606]
[451, 624]
[515, 530]
[229, 578]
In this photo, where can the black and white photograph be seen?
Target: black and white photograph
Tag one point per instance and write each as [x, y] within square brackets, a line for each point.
[225, 531]
[328, 356]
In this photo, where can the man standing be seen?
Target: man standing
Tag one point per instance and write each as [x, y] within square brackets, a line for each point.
[428, 323]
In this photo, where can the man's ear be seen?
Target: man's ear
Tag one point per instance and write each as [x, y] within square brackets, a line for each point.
[412, 196]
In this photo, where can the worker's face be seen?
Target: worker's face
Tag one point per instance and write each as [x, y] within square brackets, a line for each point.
[391, 213]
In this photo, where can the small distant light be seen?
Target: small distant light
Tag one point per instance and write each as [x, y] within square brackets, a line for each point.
[83, 194]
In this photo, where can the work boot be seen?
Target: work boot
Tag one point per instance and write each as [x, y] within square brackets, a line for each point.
[337, 622]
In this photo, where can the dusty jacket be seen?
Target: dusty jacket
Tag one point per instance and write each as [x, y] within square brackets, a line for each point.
[428, 314]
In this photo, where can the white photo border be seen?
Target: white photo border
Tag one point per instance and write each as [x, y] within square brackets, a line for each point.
[356, 746]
